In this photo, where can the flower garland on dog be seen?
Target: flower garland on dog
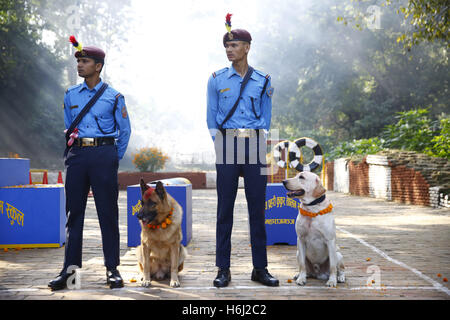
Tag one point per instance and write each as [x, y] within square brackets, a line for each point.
[303, 212]
[168, 219]
[163, 224]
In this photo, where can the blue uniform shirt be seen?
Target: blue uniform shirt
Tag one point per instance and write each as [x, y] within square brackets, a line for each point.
[100, 120]
[254, 110]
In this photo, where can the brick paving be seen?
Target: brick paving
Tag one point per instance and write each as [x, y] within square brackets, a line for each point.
[408, 245]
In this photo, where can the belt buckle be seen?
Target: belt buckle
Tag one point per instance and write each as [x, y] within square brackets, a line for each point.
[244, 133]
[87, 142]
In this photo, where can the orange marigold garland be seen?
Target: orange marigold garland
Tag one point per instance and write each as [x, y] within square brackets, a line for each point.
[303, 212]
[163, 224]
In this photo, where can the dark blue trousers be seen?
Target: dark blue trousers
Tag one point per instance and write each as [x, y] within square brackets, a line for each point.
[94, 167]
[255, 192]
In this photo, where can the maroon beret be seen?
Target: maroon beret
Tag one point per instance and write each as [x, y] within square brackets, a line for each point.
[237, 35]
[91, 52]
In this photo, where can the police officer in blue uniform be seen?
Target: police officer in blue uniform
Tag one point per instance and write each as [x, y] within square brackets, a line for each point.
[238, 122]
[92, 160]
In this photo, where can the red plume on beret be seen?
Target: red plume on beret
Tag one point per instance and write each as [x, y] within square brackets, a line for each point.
[228, 22]
[148, 193]
[228, 18]
[75, 43]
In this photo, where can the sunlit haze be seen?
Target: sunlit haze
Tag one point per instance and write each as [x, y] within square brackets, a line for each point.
[172, 50]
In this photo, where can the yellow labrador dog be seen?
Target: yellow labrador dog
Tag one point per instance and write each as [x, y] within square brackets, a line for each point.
[317, 254]
[161, 253]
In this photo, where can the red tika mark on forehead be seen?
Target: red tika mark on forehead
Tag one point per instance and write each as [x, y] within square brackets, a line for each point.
[148, 193]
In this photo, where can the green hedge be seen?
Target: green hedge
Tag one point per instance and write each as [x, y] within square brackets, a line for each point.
[414, 131]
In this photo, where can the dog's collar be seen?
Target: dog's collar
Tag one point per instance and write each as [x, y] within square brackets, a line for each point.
[163, 224]
[317, 201]
[303, 212]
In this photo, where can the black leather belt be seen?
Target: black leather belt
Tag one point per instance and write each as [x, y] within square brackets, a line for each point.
[93, 142]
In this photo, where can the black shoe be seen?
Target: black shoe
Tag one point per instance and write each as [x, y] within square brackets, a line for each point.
[223, 278]
[60, 282]
[114, 279]
[263, 276]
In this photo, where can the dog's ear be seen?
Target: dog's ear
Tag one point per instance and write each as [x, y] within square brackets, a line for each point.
[319, 190]
[160, 191]
[144, 186]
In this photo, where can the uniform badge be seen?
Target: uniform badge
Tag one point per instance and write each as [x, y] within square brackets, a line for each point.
[223, 90]
[270, 91]
[124, 112]
[230, 36]
[74, 107]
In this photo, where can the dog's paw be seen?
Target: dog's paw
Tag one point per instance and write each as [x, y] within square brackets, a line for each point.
[301, 279]
[296, 276]
[146, 283]
[341, 278]
[331, 283]
[174, 283]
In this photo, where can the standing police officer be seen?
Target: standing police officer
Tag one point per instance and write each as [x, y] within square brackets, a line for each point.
[239, 108]
[92, 161]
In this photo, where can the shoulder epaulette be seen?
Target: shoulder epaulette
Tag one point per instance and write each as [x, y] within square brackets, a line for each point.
[262, 74]
[74, 87]
[215, 74]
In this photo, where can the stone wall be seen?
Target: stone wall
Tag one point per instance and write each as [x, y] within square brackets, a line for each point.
[439, 197]
[414, 174]
[397, 175]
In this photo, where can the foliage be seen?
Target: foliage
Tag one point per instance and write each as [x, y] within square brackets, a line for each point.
[424, 20]
[99, 23]
[30, 86]
[34, 73]
[440, 144]
[357, 147]
[430, 19]
[335, 83]
[149, 159]
[414, 131]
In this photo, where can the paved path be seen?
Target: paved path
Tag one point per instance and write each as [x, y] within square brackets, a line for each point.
[402, 247]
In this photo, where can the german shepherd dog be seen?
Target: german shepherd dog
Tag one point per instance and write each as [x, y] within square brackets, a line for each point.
[160, 252]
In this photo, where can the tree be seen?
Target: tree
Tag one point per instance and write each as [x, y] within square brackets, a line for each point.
[428, 20]
[30, 86]
[32, 72]
[99, 23]
[335, 83]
